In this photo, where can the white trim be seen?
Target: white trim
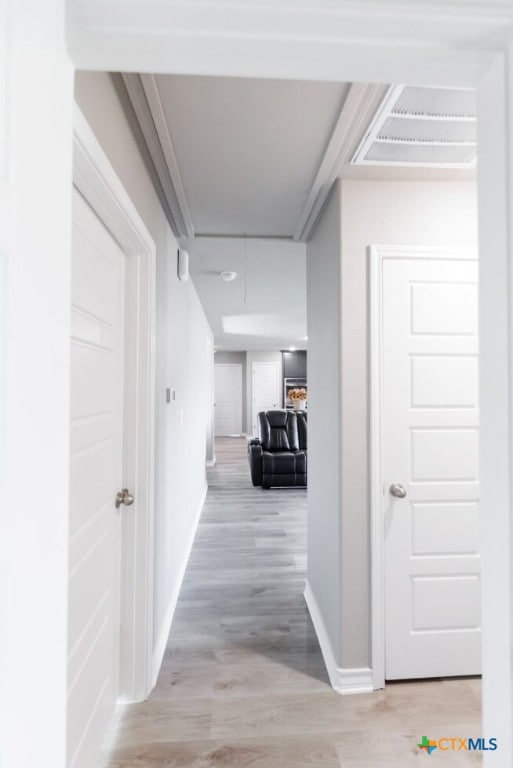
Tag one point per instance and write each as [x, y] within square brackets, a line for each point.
[346, 41]
[343, 681]
[161, 642]
[377, 254]
[357, 110]
[157, 113]
[98, 183]
[145, 102]
[356, 680]
[495, 174]
[211, 462]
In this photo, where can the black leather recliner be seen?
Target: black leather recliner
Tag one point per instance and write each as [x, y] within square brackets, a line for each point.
[278, 457]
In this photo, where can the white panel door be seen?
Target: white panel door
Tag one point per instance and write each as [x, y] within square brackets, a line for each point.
[98, 267]
[228, 398]
[430, 444]
[266, 390]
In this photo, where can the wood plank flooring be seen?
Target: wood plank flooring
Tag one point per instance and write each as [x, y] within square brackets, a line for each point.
[243, 681]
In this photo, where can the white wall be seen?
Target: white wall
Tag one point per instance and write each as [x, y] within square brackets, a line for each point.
[35, 247]
[183, 363]
[252, 356]
[362, 213]
[323, 264]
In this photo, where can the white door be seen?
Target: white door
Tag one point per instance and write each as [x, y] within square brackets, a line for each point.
[430, 444]
[98, 267]
[228, 398]
[266, 390]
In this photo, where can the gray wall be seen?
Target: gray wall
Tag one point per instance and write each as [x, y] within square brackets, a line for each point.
[396, 213]
[234, 358]
[359, 213]
[183, 359]
[246, 359]
[323, 263]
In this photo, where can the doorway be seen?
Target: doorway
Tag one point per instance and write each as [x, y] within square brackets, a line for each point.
[228, 399]
[472, 61]
[112, 439]
[425, 550]
[266, 390]
[96, 475]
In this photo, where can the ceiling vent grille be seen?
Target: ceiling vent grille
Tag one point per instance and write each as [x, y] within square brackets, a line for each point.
[422, 127]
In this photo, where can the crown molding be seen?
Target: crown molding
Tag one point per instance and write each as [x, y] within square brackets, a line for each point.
[357, 111]
[355, 115]
[157, 112]
[145, 101]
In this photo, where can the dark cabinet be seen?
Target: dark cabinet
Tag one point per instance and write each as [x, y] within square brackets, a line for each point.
[294, 364]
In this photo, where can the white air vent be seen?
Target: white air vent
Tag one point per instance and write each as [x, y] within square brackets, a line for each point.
[422, 127]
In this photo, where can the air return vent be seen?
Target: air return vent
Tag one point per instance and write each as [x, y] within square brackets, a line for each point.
[422, 127]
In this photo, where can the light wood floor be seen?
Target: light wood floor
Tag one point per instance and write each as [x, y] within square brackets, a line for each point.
[243, 682]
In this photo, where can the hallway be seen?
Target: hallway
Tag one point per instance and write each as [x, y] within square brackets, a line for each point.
[243, 681]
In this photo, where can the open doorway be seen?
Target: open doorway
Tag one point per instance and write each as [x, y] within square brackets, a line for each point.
[244, 312]
[424, 474]
[455, 44]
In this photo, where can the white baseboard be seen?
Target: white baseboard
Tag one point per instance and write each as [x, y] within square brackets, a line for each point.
[355, 680]
[160, 646]
[343, 681]
[211, 462]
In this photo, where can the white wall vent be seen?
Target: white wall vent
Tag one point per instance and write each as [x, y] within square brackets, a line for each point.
[422, 127]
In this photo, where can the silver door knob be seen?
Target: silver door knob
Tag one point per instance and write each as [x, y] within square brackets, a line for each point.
[124, 497]
[397, 490]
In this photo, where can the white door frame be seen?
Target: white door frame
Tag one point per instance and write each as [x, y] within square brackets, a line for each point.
[98, 183]
[377, 254]
[460, 42]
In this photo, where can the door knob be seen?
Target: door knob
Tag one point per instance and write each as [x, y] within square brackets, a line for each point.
[397, 490]
[124, 497]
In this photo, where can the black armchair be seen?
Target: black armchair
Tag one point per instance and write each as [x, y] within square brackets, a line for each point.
[278, 457]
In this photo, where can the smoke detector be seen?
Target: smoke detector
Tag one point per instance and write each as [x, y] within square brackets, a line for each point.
[228, 276]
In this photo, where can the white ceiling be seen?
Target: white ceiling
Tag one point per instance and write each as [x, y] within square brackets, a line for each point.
[265, 306]
[241, 159]
[248, 150]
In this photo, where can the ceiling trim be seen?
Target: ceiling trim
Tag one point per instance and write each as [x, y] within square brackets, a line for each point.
[240, 236]
[157, 112]
[357, 112]
[145, 99]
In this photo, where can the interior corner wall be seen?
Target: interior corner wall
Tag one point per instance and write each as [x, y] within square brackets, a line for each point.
[420, 213]
[184, 346]
[323, 264]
